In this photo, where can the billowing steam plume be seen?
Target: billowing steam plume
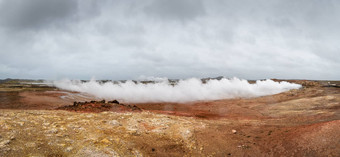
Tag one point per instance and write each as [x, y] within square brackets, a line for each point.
[183, 91]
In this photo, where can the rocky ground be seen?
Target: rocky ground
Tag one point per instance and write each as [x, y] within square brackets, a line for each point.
[35, 122]
[62, 133]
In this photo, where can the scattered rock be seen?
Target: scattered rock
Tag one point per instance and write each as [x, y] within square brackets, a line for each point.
[234, 131]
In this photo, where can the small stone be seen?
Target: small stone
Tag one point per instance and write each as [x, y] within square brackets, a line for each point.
[46, 124]
[113, 122]
[12, 137]
[68, 149]
[53, 131]
[234, 131]
[21, 123]
[106, 141]
[30, 144]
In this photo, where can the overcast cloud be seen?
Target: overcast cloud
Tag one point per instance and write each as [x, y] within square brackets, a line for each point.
[117, 39]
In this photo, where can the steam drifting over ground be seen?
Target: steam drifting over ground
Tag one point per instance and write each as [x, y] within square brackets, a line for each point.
[185, 90]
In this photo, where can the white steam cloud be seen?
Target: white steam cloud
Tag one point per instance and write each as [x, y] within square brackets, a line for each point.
[185, 90]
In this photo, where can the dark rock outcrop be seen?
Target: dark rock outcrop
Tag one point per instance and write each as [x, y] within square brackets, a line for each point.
[100, 106]
[113, 102]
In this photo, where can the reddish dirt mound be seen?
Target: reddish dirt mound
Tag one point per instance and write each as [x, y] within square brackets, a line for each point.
[307, 140]
[319, 136]
[100, 106]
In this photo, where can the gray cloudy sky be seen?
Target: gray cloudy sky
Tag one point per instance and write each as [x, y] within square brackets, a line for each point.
[119, 39]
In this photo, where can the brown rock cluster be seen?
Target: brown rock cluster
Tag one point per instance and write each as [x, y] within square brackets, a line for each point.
[99, 106]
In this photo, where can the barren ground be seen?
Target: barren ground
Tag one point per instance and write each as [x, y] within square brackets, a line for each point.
[304, 122]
